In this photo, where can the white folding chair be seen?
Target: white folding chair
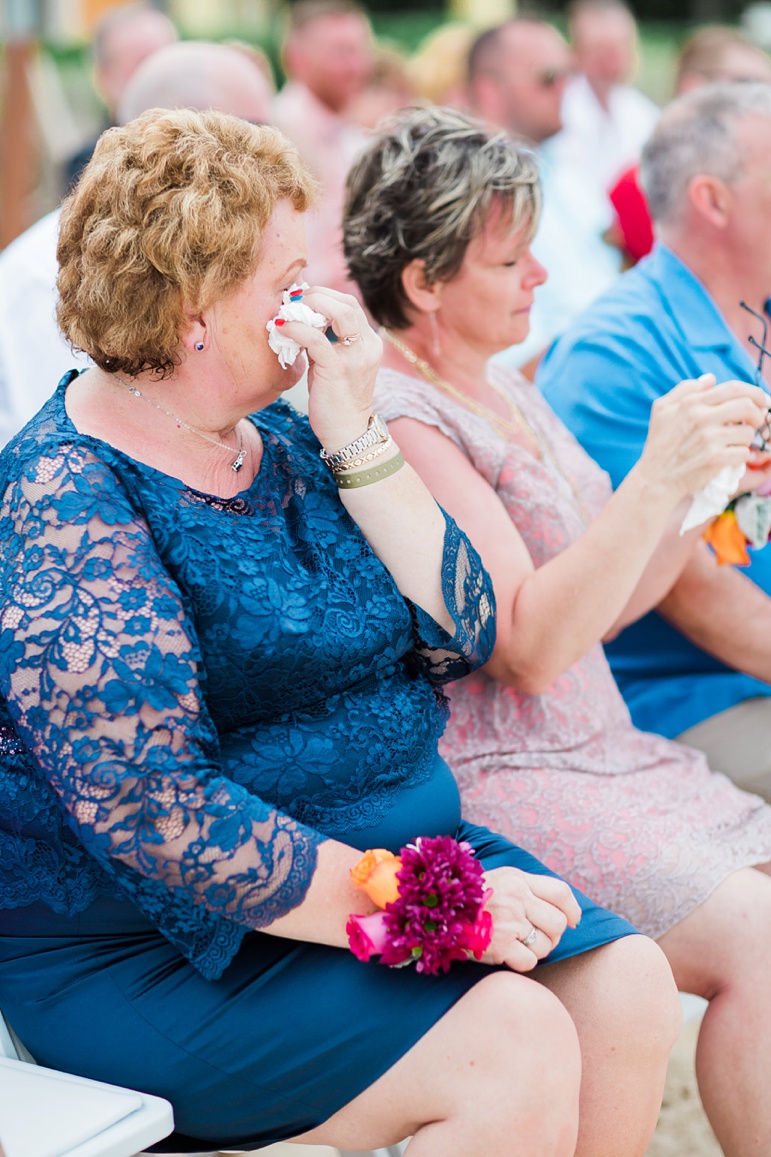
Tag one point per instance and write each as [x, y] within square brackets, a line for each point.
[390, 1151]
[44, 1113]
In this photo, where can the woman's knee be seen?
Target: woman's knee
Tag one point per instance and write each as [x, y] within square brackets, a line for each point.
[725, 940]
[637, 999]
[532, 1050]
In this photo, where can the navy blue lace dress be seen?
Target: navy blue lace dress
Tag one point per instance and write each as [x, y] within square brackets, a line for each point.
[196, 692]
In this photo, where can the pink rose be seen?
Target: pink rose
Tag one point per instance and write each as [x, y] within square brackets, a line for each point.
[479, 934]
[367, 935]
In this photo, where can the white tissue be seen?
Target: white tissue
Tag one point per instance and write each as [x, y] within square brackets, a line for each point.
[287, 348]
[713, 498]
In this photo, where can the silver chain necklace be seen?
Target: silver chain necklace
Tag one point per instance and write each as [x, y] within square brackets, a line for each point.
[240, 454]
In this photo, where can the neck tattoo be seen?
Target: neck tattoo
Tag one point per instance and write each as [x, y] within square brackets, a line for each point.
[240, 454]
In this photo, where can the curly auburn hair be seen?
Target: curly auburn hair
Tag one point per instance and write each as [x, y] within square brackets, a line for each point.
[168, 216]
[424, 188]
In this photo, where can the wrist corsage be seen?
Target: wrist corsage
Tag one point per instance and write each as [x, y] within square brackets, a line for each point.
[745, 523]
[432, 898]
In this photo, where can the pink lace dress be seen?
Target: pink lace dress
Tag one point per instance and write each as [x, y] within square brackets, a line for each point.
[637, 821]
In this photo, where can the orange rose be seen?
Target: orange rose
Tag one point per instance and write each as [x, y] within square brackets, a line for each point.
[375, 874]
[727, 540]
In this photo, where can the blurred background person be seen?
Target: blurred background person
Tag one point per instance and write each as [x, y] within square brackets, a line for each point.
[388, 89]
[517, 75]
[199, 75]
[719, 54]
[606, 120]
[439, 66]
[33, 352]
[329, 58]
[714, 55]
[123, 38]
[258, 57]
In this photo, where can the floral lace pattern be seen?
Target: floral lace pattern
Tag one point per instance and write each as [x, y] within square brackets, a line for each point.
[197, 690]
[636, 821]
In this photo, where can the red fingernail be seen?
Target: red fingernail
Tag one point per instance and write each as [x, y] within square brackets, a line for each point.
[280, 321]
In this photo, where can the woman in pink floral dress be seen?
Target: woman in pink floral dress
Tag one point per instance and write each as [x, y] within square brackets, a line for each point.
[438, 224]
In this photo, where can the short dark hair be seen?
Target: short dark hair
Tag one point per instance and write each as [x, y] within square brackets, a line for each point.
[423, 188]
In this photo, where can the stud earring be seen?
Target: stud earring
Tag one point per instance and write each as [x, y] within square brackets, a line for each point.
[199, 346]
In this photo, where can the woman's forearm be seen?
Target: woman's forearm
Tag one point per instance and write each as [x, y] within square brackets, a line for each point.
[329, 901]
[669, 559]
[563, 608]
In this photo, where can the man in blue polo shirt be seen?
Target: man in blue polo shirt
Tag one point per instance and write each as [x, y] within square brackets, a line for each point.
[699, 669]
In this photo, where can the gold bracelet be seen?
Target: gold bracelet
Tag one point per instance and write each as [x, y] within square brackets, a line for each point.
[365, 459]
[372, 474]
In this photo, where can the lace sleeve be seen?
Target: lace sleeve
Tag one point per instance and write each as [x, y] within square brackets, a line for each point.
[101, 669]
[468, 596]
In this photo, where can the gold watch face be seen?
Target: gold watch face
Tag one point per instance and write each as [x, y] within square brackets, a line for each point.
[379, 426]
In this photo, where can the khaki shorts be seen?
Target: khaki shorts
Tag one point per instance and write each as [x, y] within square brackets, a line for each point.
[738, 743]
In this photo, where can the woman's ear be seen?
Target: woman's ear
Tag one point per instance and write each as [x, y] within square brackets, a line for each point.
[425, 297]
[193, 333]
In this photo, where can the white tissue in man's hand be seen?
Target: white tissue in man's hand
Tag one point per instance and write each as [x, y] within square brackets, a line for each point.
[287, 348]
[712, 499]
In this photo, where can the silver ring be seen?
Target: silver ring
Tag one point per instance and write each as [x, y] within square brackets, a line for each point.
[352, 337]
[531, 937]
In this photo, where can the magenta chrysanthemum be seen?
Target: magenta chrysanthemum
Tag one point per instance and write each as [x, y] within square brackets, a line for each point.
[438, 916]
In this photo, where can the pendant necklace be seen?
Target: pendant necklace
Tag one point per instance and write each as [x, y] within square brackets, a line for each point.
[506, 427]
[240, 454]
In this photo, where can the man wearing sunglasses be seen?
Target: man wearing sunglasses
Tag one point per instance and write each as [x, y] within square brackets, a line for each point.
[517, 77]
[699, 669]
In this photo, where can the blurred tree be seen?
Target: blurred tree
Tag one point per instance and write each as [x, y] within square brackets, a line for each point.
[23, 25]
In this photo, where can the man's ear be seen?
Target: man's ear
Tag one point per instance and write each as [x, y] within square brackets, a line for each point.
[711, 198]
[425, 297]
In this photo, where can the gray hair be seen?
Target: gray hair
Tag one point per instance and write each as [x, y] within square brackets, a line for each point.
[697, 134]
[424, 188]
[196, 74]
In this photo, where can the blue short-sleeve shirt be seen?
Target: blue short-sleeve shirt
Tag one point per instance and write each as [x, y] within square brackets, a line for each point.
[656, 326]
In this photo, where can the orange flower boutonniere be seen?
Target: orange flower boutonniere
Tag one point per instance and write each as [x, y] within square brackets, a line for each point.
[727, 540]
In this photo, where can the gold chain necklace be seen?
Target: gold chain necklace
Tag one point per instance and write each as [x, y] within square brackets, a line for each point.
[240, 454]
[505, 425]
[520, 424]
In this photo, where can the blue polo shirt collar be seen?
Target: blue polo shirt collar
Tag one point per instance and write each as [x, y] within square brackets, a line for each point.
[690, 305]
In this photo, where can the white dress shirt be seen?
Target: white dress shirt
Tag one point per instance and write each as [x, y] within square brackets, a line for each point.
[605, 141]
[33, 352]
